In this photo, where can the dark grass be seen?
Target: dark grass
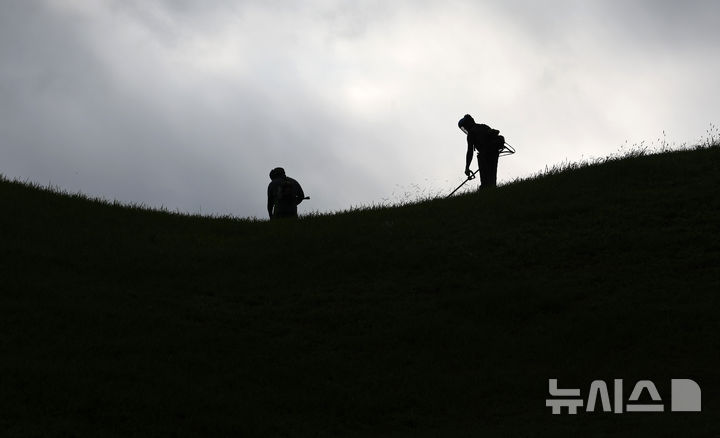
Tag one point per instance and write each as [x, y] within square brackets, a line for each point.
[438, 318]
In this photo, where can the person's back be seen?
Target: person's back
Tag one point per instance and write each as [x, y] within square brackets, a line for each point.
[284, 195]
[484, 137]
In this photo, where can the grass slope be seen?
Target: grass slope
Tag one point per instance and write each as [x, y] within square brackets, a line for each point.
[444, 318]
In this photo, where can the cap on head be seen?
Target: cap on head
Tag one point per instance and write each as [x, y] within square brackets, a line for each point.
[465, 123]
[277, 172]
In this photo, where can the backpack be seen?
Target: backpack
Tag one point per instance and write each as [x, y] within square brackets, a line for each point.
[286, 192]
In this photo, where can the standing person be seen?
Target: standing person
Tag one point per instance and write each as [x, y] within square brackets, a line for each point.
[488, 143]
[284, 194]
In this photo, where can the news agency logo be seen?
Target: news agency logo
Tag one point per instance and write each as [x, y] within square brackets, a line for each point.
[685, 397]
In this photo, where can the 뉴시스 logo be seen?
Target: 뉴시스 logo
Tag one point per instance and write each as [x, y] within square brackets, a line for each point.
[685, 397]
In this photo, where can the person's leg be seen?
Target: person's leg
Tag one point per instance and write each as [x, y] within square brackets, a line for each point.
[486, 166]
[492, 168]
[286, 210]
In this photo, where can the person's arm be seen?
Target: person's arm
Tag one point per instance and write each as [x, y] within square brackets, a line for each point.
[468, 158]
[271, 201]
[300, 194]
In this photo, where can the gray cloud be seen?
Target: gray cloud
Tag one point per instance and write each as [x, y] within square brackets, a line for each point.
[189, 104]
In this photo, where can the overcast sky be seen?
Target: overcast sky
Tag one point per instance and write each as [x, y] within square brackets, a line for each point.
[188, 104]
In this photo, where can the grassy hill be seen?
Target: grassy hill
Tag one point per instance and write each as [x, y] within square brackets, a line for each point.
[443, 318]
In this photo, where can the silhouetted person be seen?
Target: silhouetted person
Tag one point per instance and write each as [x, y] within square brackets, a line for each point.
[284, 195]
[488, 143]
